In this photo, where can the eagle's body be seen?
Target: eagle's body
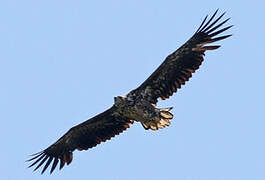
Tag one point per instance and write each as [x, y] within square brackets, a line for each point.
[140, 104]
[143, 111]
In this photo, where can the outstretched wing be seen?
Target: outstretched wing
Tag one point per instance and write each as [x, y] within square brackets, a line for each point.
[82, 137]
[179, 66]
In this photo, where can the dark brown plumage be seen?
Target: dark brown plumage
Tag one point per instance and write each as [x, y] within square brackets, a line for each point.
[179, 66]
[139, 104]
[82, 137]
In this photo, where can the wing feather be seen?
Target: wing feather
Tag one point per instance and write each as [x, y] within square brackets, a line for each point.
[82, 137]
[178, 67]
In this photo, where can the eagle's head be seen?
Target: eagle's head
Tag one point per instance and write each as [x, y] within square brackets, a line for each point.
[119, 101]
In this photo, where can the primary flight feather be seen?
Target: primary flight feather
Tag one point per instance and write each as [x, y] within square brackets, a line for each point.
[139, 104]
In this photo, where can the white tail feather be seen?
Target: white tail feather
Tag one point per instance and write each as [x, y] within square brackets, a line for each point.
[161, 122]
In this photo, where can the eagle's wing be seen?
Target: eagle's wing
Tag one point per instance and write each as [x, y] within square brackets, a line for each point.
[179, 66]
[83, 136]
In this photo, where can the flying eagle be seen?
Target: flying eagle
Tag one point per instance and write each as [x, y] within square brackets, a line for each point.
[139, 104]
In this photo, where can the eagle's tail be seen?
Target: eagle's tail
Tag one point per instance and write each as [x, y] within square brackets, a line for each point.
[160, 122]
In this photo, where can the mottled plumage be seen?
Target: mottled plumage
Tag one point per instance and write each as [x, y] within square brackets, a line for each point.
[139, 104]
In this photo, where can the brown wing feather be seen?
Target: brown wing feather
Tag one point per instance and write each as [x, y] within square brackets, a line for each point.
[179, 66]
[82, 137]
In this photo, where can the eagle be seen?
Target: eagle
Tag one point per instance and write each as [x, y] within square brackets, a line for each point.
[139, 105]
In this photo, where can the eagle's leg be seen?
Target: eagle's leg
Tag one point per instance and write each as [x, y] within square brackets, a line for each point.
[160, 120]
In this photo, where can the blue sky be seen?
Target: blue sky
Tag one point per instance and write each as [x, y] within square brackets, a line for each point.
[62, 62]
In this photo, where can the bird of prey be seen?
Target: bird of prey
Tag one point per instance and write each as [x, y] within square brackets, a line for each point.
[139, 104]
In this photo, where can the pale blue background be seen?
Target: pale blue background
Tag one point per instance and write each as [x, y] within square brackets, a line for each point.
[62, 62]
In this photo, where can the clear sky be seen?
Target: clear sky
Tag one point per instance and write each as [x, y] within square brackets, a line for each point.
[62, 62]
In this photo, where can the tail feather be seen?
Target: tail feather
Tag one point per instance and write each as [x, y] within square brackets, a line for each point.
[161, 122]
